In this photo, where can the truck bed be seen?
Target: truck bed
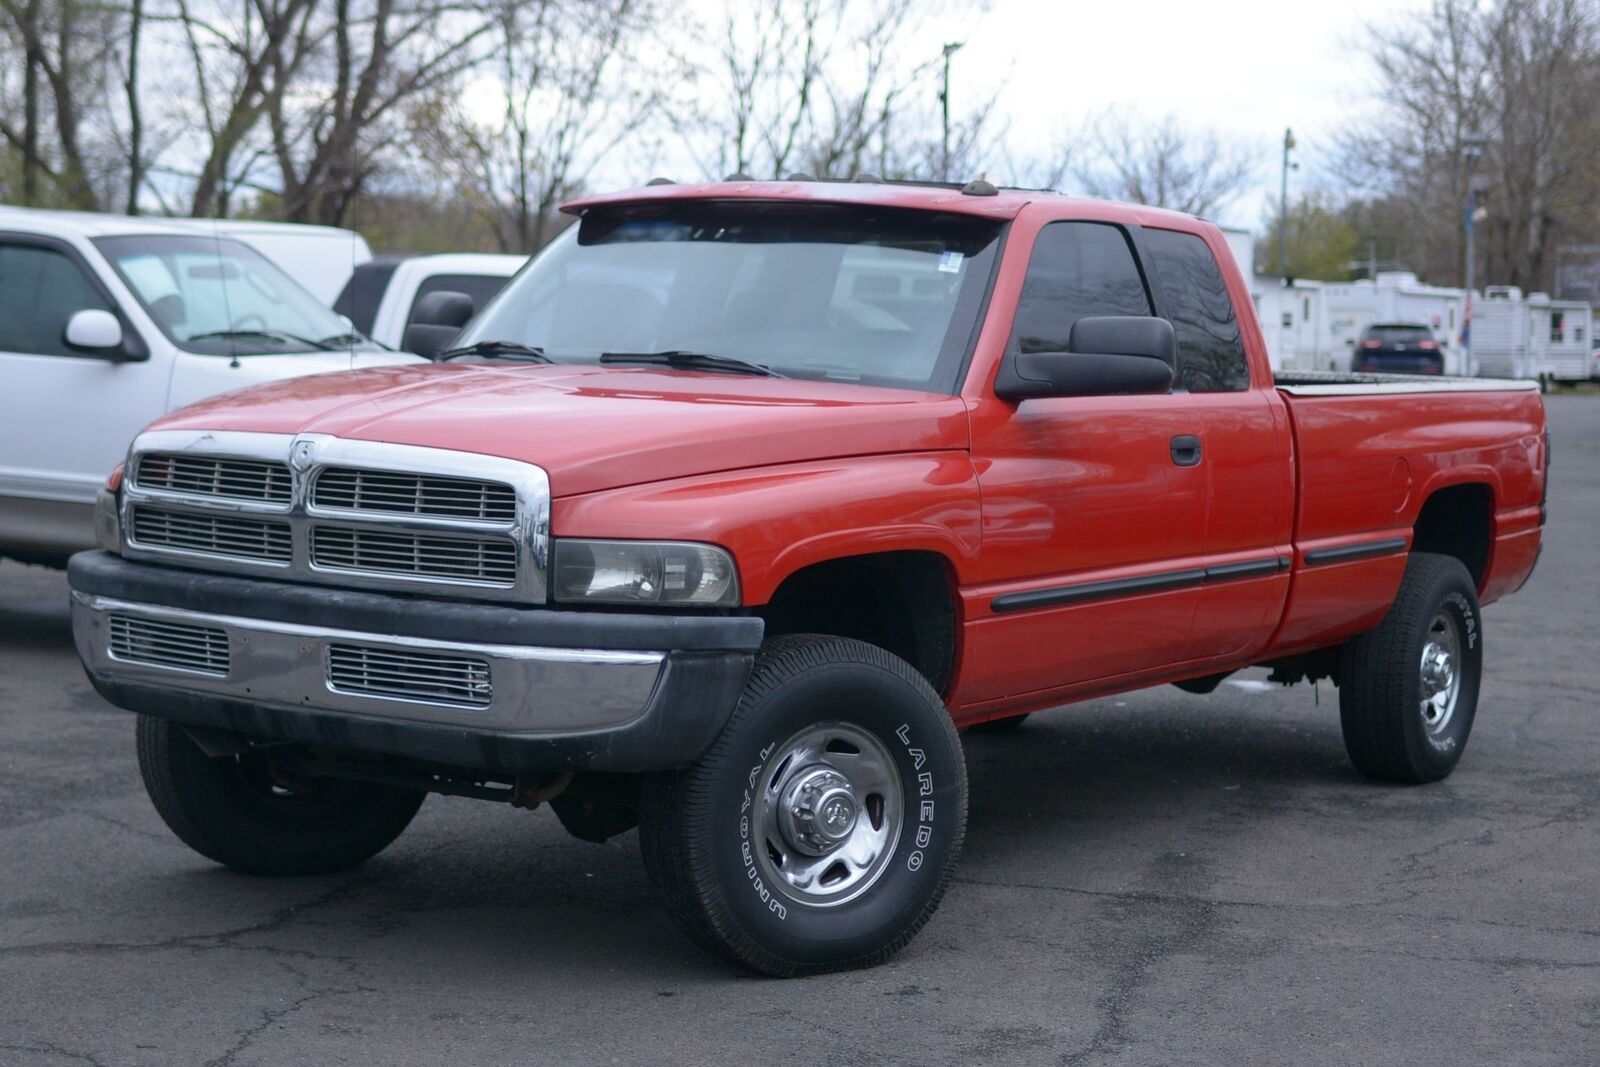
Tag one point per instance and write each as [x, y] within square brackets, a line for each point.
[1371, 452]
[1350, 383]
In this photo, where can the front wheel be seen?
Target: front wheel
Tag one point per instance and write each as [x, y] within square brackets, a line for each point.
[1410, 687]
[240, 811]
[820, 830]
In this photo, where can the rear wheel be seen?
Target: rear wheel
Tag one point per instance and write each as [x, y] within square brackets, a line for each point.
[1409, 690]
[239, 811]
[820, 830]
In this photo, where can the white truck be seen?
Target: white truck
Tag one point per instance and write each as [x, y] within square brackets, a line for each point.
[108, 322]
[381, 297]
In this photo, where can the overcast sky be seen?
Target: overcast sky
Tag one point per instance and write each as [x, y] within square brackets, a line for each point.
[1246, 67]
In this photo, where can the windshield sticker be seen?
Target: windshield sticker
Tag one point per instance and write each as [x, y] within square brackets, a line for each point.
[950, 263]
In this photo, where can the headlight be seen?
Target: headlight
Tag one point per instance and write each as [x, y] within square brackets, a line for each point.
[644, 572]
[107, 521]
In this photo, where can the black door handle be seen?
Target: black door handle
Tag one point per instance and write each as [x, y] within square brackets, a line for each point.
[1186, 450]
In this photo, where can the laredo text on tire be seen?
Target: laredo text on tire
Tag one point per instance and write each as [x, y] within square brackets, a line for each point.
[1410, 687]
[820, 830]
[238, 811]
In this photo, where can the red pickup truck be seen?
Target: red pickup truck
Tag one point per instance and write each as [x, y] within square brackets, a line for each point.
[741, 500]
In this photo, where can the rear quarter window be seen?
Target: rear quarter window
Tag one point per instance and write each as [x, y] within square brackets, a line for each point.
[1210, 347]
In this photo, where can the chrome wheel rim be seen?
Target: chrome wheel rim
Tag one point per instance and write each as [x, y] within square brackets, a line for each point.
[830, 811]
[1440, 673]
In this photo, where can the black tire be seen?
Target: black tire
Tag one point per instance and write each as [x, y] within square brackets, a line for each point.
[1387, 729]
[698, 825]
[1009, 725]
[228, 810]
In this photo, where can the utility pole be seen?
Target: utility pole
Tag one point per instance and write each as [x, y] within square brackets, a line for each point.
[1283, 200]
[1471, 151]
[944, 104]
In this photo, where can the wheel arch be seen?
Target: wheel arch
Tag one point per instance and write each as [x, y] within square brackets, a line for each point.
[1458, 520]
[903, 601]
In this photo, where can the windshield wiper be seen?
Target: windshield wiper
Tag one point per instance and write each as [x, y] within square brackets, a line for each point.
[271, 335]
[691, 361]
[496, 350]
[349, 337]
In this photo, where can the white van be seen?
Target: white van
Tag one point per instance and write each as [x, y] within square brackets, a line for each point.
[106, 323]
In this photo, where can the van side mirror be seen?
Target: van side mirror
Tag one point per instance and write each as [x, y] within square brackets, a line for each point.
[98, 333]
[1106, 355]
[435, 321]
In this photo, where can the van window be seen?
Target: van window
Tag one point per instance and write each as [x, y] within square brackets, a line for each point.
[1210, 347]
[40, 289]
[1077, 269]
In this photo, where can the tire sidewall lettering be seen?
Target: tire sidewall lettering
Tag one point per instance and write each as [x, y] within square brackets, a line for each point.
[930, 787]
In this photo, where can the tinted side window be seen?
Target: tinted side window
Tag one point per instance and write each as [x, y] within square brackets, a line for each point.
[478, 286]
[358, 300]
[40, 289]
[1077, 269]
[1210, 347]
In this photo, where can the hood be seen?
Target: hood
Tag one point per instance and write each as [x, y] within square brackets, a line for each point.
[594, 428]
[198, 376]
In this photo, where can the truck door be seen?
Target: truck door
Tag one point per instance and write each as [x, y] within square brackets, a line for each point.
[1244, 452]
[66, 415]
[1093, 512]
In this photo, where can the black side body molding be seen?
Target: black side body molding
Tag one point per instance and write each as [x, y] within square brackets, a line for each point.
[1146, 583]
[1388, 546]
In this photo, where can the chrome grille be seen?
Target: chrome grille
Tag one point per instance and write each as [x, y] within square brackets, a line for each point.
[180, 646]
[479, 560]
[235, 479]
[212, 535]
[428, 677]
[317, 508]
[396, 493]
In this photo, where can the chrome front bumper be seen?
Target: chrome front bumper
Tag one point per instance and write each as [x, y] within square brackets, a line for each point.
[473, 685]
[552, 690]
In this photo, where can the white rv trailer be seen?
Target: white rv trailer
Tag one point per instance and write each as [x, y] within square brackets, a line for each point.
[1532, 336]
[1394, 297]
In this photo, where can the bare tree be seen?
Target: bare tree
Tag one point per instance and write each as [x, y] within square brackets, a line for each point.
[63, 43]
[130, 86]
[574, 89]
[1509, 94]
[823, 87]
[385, 53]
[1161, 163]
[238, 57]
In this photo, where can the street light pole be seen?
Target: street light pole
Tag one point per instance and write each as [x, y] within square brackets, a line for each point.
[1472, 147]
[944, 104]
[1283, 199]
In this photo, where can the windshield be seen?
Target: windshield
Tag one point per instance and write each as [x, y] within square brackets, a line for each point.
[1399, 335]
[217, 296]
[882, 296]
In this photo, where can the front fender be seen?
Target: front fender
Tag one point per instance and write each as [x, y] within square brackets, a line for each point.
[776, 520]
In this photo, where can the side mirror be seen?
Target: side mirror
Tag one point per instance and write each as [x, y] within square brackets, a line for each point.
[435, 321]
[1106, 355]
[96, 331]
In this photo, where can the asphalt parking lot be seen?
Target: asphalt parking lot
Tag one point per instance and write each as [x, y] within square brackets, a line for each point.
[1157, 878]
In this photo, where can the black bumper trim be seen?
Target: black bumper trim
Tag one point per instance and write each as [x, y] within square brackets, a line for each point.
[692, 703]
